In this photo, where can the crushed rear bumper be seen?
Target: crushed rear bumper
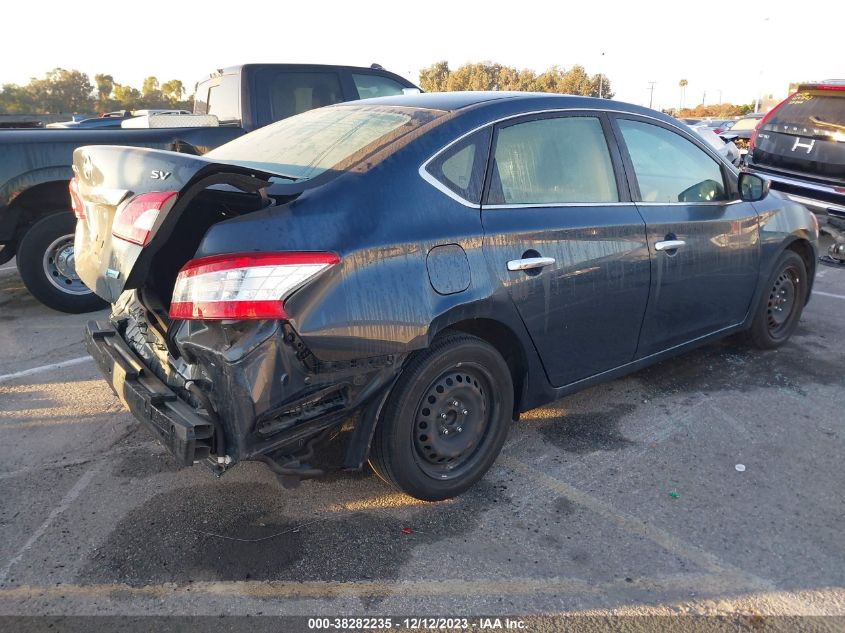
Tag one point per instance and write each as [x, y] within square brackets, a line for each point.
[188, 436]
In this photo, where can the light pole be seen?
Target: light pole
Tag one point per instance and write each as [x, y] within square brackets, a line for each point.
[760, 75]
[601, 80]
[651, 92]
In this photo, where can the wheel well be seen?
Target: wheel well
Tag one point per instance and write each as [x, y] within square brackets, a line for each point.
[37, 201]
[805, 251]
[507, 344]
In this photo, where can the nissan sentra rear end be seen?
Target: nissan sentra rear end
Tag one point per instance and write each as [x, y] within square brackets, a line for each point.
[202, 345]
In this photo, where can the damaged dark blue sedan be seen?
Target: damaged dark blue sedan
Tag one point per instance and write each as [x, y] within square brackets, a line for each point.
[395, 280]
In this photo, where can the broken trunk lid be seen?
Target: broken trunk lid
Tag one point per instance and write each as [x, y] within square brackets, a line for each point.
[110, 178]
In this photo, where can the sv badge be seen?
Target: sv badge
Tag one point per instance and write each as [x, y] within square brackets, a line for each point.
[158, 174]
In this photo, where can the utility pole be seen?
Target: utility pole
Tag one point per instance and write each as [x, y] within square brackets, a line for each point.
[651, 92]
[704, 98]
[601, 79]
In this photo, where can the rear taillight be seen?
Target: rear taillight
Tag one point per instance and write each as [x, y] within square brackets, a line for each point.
[762, 122]
[135, 220]
[243, 286]
[76, 199]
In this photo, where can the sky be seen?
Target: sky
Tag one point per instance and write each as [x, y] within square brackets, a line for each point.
[727, 51]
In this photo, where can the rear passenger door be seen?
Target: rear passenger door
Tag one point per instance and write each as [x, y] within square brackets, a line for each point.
[702, 239]
[565, 240]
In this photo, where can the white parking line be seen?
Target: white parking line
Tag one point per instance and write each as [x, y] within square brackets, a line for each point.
[828, 294]
[38, 370]
[68, 499]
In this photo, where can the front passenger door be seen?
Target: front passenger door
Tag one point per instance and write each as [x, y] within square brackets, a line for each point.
[702, 239]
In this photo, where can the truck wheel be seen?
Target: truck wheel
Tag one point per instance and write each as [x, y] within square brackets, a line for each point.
[45, 262]
[445, 420]
[781, 304]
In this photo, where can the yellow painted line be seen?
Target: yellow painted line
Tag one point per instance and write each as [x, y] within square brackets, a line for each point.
[418, 588]
[667, 541]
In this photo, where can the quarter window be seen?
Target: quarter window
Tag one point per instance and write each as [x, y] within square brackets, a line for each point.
[461, 167]
[555, 160]
[669, 168]
[369, 86]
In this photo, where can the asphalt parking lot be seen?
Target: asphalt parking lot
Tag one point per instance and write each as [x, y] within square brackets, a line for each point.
[621, 499]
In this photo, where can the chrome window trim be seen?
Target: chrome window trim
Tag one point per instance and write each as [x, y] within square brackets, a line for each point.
[708, 203]
[544, 205]
[426, 176]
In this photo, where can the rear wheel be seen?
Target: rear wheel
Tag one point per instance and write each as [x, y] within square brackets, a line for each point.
[45, 261]
[446, 419]
[781, 304]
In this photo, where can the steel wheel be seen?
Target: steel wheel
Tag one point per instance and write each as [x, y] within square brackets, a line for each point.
[783, 299]
[451, 421]
[445, 419]
[59, 268]
[780, 303]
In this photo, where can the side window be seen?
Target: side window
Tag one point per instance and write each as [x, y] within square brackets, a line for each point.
[669, 168]
[376, 86]
[556, 160]
[294, 93]
[223, 99]
[461, 167]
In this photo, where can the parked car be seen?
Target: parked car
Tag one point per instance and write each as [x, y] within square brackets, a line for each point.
[716, 125]
[800, 147]
[364, 274]
[728, 151]
[36, 223]
[741, 131]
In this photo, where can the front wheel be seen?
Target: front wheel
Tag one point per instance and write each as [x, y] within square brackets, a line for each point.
[446, 419]
[781, 304]
[46, 264]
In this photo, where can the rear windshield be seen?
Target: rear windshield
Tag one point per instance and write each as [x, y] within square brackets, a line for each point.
[745, 124]
[338, 137]
[810, 113]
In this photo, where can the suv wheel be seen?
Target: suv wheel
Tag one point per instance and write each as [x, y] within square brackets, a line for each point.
[446, 419]
[46, 264]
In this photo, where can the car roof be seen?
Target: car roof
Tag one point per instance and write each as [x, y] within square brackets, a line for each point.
[467, 99]
[238, 68]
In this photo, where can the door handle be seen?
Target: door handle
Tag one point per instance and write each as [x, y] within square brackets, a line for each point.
[669, 245]
[529, 263]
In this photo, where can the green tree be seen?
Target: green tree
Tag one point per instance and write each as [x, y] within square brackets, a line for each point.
[149, 86]
[127, 97]
[682, 84]
[16, 99]
[62, 91]
[435, 77]
[173, 90]
[600, 82]
[105, 86]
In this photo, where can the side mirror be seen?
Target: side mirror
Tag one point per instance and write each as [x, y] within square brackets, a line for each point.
[752, 187]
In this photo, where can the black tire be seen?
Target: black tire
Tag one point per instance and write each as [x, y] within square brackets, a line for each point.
[54, 283]
[781, 304]
[462, 445]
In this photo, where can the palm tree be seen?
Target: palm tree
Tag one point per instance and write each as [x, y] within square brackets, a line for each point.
[682, 84]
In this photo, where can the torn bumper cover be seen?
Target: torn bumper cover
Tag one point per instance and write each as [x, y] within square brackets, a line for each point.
[262, 395]
[187, 435]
